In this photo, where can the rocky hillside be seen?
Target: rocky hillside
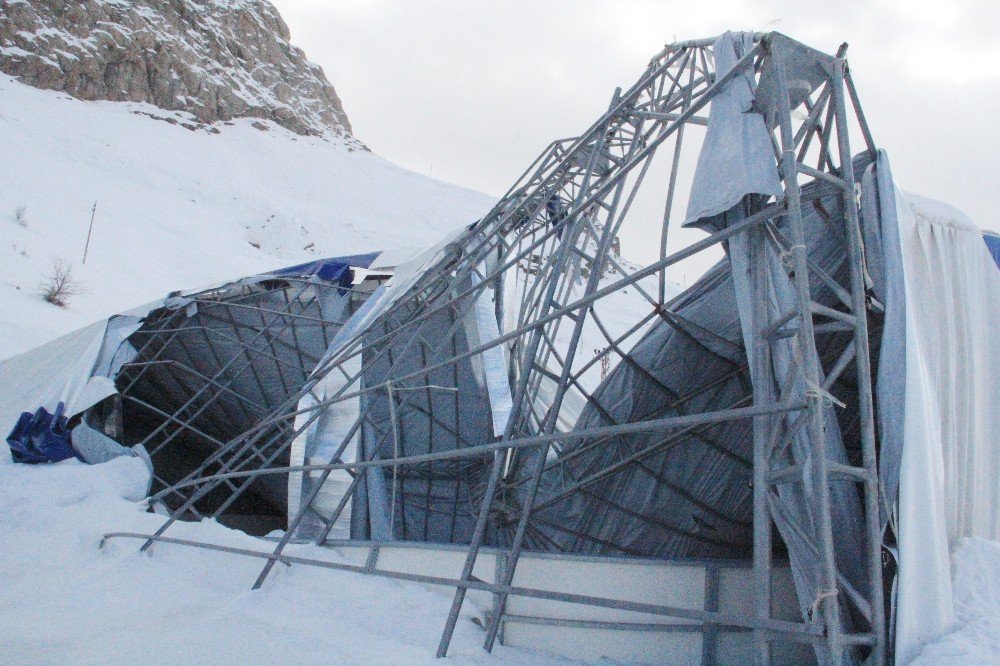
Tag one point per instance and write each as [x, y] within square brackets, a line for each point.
[215, 59]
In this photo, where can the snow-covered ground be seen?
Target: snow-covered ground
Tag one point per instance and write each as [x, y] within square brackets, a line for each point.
[180, 208]
[67, 599]
[976, 593]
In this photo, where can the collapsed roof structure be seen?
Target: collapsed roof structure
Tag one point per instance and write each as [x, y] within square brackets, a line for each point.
[176, 378]
[761, 414]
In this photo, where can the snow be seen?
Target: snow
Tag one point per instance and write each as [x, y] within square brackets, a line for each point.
[976, 595]
[14, 51]
[68, 598]
[179, 208]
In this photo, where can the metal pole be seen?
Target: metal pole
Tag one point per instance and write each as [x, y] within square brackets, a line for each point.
[827, 598]
[672, 184]
[763, 394]
[86, 246]
[864, 374]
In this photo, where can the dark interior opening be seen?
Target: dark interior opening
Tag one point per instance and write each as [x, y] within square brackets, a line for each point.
[213, 385]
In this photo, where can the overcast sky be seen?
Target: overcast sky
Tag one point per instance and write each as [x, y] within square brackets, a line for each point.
[472, 91]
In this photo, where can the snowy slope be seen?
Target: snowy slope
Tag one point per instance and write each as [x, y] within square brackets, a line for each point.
[180, 208]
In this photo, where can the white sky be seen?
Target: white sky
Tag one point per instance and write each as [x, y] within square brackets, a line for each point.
[472, 91]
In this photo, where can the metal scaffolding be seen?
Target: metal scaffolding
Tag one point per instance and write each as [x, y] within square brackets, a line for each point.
[543, 260]
[218, 364]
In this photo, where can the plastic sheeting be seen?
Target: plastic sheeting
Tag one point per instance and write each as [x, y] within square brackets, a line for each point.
[441, 409]
[689, 499]
[736, 157]
[318, 443]
[403, 278]
[993, 243]
[881, 238]
[322, 439]
[493, 360]
[429, 420]
[692, 497]
[73, 370]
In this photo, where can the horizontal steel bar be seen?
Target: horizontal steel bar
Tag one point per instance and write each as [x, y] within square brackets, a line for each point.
[822, 175]
[683, 627]
[526, 442]
[824, 311]
[786, 627]
[663, 627]
[657, 115]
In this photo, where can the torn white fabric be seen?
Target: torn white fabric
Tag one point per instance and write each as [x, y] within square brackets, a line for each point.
[493, 360]
[77, 369]
[114, 354]
[736, 157]
[320, 441]
[405, 276]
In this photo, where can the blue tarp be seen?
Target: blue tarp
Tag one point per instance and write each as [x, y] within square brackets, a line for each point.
[993, 243]
[41, 437]
[335, 269]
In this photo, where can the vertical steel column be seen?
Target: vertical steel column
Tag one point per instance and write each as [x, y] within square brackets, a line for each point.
[862, 361]
[827, 598]
[470, 559]
[672, 183]
[763, 394]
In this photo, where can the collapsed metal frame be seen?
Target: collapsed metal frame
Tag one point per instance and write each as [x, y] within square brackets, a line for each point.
[197, 378]
[556, 227]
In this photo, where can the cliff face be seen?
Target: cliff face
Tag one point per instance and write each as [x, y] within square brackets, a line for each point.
[215, 59]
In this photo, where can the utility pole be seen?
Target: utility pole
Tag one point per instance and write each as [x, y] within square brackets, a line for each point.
[86, 246]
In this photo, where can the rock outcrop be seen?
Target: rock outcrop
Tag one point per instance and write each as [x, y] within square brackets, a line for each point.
[215, 59]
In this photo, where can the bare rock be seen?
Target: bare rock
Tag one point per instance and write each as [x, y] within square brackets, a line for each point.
[215, 59]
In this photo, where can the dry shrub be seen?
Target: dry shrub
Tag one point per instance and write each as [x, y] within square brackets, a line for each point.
[59, 286]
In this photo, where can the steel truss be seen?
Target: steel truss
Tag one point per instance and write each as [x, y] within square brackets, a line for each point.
[554, 232]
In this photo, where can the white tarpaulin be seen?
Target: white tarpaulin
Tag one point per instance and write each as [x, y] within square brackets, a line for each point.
[736, 158]
[50, 374]
[74, 369]
[950, 468]
[319, 442]
[493, 360]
